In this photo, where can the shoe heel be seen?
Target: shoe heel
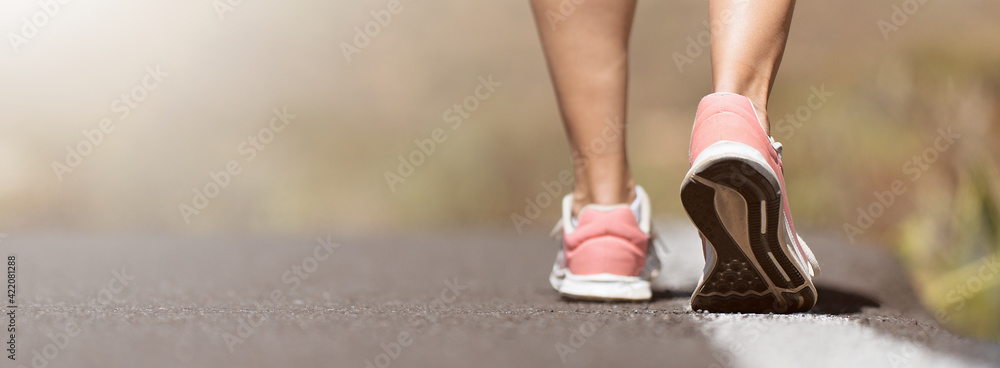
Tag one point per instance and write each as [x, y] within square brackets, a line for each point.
[607, 254]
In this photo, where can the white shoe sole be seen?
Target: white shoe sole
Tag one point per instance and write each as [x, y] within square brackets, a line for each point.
[603, 287]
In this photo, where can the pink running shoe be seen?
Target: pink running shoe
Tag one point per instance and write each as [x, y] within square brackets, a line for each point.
[734, 193]
[606, 252]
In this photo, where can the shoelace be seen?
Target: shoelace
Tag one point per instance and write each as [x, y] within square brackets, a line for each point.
[809, 256]
[805, 247]
[777, 146]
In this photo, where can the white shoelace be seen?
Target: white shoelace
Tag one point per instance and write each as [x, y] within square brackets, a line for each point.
[805, 247]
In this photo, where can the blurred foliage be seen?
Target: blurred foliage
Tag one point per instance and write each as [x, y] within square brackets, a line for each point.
[953, 254]
[950, 238]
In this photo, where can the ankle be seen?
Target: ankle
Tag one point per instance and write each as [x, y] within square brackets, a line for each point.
[584, 195]
[761, 108]
[758, 97]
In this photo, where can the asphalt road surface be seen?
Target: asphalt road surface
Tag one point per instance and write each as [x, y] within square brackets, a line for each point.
[463, 299]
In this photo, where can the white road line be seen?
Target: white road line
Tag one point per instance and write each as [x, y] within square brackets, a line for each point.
[798, 340]
[815, 341]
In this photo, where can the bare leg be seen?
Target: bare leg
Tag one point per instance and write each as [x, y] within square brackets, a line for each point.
[748, 39]
[587, 57]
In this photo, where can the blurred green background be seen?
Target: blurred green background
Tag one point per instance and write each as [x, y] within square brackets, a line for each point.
[937, 68]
